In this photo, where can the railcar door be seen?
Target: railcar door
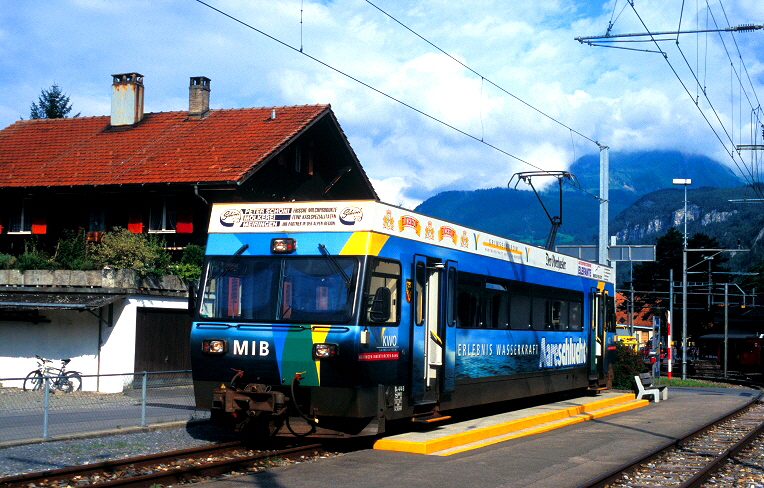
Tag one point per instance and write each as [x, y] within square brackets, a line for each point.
[427, 342]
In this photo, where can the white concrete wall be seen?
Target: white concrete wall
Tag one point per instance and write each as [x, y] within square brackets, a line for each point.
[74, 334]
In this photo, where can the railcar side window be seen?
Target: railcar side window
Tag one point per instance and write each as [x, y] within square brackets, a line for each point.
[385, 274]
[496, 303]
[520, 319]
[576, 316]
[558, 311]
[492, 303]
[468, 301]
[540, 318]
[467, 308]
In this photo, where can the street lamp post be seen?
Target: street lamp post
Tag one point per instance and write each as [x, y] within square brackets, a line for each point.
[684, 182]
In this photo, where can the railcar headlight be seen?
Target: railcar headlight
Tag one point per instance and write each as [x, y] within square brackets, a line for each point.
[214, 347]
[285, 245]
[325, 350]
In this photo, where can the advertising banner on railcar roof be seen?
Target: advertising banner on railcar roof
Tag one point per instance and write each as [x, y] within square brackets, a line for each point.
[372, 216]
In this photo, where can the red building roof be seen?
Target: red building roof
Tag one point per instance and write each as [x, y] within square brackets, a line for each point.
[166, 147]
[622, 315]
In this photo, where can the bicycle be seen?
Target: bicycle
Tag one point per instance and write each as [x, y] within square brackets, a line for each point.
[60, 379]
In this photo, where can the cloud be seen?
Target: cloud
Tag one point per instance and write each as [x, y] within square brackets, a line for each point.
[516, 54]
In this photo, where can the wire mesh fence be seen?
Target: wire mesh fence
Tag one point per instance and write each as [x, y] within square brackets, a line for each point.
[137, 400]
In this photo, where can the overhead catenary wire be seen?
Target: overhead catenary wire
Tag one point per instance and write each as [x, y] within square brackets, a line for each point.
[748, 173]
[482, 76]
[734, 74]
[401, 102]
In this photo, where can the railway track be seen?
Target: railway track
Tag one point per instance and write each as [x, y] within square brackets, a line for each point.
[166, 468]
[718, 451]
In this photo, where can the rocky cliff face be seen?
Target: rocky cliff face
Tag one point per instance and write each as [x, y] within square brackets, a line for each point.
[656, 225]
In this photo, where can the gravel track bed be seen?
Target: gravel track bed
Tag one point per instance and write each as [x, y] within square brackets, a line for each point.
[49, 455]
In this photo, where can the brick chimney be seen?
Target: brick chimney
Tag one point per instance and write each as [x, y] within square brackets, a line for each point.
[198, 97]
[126, 99]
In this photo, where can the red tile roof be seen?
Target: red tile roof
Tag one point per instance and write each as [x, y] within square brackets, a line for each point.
[622, 316]
[165, 147]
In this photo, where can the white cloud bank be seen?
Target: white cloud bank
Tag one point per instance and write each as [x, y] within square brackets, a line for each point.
[626, 100]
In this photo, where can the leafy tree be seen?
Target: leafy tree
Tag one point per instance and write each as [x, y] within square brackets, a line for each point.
[52, 104]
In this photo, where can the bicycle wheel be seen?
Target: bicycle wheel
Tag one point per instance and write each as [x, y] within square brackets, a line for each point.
[33, 381]
[73, 380]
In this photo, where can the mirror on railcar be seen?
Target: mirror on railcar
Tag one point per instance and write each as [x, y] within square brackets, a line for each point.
[380, 305]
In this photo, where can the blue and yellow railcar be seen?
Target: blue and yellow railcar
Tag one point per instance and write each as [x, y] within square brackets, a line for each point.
[335, 318]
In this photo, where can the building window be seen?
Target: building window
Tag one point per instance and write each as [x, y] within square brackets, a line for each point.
[20, 221]
[163, 215]
[96, 223]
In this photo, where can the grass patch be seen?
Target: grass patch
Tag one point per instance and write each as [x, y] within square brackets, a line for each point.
[691, 383]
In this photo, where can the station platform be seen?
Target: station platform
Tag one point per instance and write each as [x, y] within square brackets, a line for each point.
[564, 457]
[458, 437]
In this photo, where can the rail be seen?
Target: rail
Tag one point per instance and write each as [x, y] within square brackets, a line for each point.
[143, 399]
[691, 460]
[164, 469]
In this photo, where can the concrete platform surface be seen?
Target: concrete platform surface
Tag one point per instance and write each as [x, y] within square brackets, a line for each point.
[565, 457]
[457, 437]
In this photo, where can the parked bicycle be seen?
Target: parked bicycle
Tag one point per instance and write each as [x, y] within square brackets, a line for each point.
[59, 378]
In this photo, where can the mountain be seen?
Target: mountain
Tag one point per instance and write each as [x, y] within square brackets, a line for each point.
[517, 214]
[644, 172]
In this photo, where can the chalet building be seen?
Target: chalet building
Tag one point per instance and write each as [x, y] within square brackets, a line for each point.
[155, 173]
[640, 328]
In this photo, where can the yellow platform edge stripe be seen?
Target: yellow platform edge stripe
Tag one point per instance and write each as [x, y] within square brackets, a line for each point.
[460, 439]
[604, 412]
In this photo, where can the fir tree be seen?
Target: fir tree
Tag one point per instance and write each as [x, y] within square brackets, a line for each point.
[52, 104]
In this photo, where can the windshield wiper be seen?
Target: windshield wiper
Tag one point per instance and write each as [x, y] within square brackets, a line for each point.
[334, 262]
[229, 264]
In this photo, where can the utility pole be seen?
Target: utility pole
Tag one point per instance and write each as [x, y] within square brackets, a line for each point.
[669, 332]
[604, 184]
[726, 324]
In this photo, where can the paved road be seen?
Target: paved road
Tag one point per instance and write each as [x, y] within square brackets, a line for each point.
[22, 417]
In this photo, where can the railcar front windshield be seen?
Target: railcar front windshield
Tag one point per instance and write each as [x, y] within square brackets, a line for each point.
[280, 289]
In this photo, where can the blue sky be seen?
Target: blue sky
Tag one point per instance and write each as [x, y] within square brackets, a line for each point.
[627, 100]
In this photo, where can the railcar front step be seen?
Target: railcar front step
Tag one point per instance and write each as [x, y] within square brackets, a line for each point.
[430, 418]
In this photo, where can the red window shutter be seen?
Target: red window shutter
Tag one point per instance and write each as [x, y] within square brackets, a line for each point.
[135, 223]
[185, 224]
[39, 225]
